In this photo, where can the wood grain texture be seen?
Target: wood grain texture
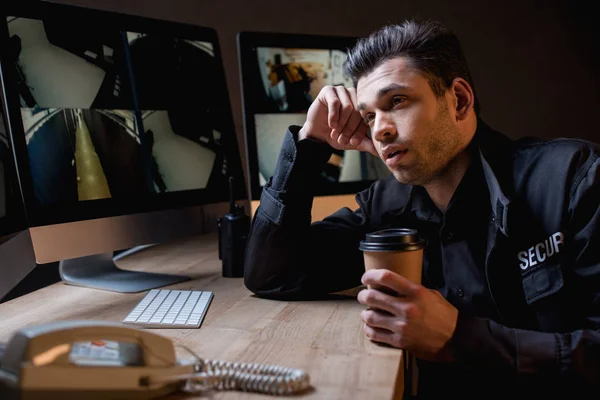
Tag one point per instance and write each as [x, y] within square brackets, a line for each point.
[324, 338]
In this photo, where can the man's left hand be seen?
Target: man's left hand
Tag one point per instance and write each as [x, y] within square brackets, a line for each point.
[419, 320]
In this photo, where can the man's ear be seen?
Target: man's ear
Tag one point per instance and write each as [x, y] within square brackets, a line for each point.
[465, 98]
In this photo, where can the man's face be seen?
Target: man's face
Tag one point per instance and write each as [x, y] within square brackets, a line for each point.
[412, 129]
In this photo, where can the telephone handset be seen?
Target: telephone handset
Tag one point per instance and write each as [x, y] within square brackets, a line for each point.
[71, 359]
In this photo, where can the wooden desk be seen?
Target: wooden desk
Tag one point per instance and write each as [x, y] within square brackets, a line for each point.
[324, 338]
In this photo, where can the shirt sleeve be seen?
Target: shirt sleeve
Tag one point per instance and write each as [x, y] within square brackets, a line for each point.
[287, 256]
[568, 356]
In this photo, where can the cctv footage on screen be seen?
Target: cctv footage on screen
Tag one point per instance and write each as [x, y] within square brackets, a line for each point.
[85, 139]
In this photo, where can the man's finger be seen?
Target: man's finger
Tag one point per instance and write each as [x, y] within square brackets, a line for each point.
[381, 335]
[357, 139]
[367, 145]
[351, 128]
[333, 104]
[391, 280]
[360, 139]
[360, 135]
[346, 111]
[379, 300]
[379, 319]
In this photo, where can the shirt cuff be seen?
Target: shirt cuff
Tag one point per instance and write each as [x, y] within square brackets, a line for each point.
[299, 163]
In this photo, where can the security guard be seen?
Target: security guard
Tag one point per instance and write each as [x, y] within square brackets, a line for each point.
[510, 298]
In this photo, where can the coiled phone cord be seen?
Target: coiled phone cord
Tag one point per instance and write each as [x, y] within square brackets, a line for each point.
[248, 377]
[260, 378]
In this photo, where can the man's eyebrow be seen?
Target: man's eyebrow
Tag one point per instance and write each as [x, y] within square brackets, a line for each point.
[382, 92]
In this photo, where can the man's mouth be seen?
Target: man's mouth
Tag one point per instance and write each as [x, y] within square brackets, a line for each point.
[393, 154]
[395, 157]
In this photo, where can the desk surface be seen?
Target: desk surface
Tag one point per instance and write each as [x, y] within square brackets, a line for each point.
[324, 338]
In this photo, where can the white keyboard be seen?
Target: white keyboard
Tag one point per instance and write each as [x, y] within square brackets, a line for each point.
[162, 308]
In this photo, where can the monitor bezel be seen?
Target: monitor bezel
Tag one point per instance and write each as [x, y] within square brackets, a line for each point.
[13, 221]
[43, 215]
[247, 42]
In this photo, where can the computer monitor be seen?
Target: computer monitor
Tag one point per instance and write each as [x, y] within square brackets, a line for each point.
[16, 251]
[123, 134]
[281, 75]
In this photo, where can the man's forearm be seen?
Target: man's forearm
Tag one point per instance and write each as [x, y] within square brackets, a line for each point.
[274, 256]
[273, 268]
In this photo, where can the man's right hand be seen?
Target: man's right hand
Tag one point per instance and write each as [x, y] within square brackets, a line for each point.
[334, 119]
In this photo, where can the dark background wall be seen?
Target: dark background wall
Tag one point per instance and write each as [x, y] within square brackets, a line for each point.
[535, 64]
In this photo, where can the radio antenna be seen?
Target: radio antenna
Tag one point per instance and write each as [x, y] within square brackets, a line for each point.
[231, 201]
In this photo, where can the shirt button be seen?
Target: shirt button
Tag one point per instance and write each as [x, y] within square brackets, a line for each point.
[460, 292]
[449, 235]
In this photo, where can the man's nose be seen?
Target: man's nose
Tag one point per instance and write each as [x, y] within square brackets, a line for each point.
[384, 128]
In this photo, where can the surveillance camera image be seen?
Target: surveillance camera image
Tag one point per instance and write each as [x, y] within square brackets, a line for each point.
[83, 154]
[185, 111]
[89, 136]
[74, 65]
[178, 163]
[291, 79]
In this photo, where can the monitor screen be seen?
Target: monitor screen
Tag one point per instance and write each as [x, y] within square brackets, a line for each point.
[116, 114]
[281, 76]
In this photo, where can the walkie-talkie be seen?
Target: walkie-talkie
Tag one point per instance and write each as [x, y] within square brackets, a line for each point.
[233, 232]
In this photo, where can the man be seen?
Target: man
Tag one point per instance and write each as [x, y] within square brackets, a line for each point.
[511, 281]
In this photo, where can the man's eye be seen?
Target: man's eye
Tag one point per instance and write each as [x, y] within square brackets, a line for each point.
[397, 100]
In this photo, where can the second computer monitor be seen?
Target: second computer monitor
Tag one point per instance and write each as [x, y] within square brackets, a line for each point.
[281, 76]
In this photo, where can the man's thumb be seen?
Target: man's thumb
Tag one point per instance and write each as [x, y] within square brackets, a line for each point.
[367, 146]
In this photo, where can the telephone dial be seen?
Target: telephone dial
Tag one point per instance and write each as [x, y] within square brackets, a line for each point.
[102, 360]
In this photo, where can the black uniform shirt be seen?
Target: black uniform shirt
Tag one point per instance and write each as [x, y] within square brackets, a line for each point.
[454, 258]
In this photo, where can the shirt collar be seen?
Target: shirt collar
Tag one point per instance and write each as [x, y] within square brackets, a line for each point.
[468, 195]
[494, 152]
[422, 206]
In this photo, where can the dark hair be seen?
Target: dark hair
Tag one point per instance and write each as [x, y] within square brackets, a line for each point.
[428, 46]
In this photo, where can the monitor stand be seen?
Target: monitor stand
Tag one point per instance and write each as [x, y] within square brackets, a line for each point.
[99, 271]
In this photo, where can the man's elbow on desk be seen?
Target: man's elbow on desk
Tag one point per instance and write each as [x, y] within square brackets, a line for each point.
[276, 287]
[263, 285]
[259, 288]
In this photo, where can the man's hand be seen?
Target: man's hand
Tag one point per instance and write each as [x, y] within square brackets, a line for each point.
[419, 320]
[333, 118]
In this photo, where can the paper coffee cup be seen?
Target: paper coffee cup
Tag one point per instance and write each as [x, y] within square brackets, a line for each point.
[399, 250]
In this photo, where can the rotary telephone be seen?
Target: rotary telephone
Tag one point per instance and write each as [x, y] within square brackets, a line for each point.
[87, 359]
